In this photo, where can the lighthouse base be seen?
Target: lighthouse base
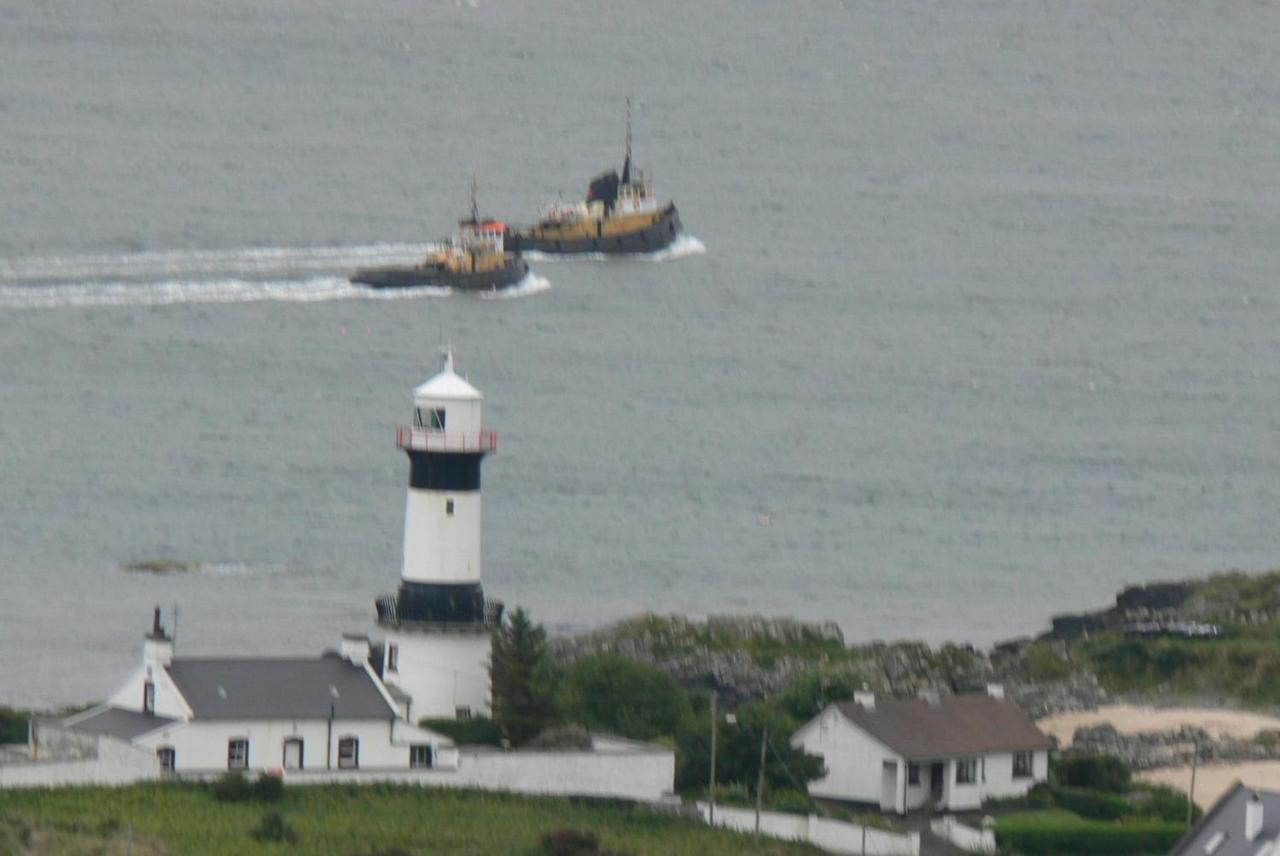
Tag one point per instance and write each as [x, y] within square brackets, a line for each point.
[444, 672]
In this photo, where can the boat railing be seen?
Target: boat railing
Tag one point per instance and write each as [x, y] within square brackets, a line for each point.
[416, 439]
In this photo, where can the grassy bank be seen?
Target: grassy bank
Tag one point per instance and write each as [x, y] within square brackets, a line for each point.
[176, 818]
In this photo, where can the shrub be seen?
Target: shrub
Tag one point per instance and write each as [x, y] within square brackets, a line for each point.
[561, 737]
[1163, 802]
[1094, 772]
[232, 786]
[1044, 663]
[810, 694]
[1091, 804]
[268, 789]
[1032, 836]
[273, 828]
[572, 842]
[476, 731]
[624, 697]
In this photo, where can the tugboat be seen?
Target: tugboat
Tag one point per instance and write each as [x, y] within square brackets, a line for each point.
[474, 259]
[619, 215]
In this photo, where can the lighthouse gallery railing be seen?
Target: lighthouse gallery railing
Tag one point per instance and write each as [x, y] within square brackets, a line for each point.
[425, 440]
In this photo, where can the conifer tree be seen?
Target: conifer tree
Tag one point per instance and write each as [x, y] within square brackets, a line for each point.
[523, 679]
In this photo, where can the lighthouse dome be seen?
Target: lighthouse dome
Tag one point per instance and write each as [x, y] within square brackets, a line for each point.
[447, 402]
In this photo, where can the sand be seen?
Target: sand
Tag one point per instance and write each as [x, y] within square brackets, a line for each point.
[1213, 780]
[1131, 719]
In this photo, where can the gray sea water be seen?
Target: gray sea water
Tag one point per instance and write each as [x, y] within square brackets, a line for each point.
[985, 329]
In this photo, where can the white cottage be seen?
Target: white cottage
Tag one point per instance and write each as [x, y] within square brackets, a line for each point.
[204, 715]
[950, 753]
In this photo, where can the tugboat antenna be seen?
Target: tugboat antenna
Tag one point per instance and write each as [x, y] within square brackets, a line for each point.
[626, 165]
[475, 209]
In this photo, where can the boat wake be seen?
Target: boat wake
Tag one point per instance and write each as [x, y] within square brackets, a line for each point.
[282, 274]
[530, 285]
[683, 246]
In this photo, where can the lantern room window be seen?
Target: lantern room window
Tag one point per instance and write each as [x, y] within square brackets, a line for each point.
[432, 418]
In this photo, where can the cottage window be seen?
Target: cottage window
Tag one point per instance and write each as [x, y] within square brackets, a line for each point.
[966, 771]
[238, 754]
[393, 658]
[348, 753]
[913, 774]
[292, 759]
[448, 507]
[148, 697]
[1022, 765]
[168, 759]
[420, 755]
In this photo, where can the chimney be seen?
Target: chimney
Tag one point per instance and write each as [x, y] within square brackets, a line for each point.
[355, 648]
[996, 691]
[865, 697]
[1252, 817]
[157, 647]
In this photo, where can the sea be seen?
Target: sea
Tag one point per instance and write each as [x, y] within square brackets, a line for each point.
[974, 320]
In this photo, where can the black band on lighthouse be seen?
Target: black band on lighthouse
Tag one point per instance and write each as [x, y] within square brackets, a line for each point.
[444, 471]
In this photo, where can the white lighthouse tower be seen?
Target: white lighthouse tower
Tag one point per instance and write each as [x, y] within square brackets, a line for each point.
[439, 623]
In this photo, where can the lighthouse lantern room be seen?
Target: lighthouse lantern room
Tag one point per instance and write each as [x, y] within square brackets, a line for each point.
[439, 622]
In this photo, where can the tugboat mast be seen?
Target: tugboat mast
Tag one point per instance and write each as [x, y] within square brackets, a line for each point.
[626, 165]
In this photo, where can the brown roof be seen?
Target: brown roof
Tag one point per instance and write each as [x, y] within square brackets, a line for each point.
[956, 725]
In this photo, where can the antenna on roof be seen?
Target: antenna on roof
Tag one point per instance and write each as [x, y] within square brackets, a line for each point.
[475, 209]
[173, 632]
[626, 165]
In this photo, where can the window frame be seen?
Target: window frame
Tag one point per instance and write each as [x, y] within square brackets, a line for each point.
[284, 753]
[422, 756]
[232, 744]
[168, 758]
[351, 742]
[1027, 772]
[966, 771]
[393, 657]
[913, 774]
[149, 697]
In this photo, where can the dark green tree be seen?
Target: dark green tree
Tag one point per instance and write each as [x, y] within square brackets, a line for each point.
[810, 694]
[523, 679]
[738, 753]
[624, 697]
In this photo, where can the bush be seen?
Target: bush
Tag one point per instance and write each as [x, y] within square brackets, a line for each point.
[1164, 803]
[1044, 663]
[561, 737]
[1093, 772]
[810, 694]
[1091, 804]
[273, 828]
[572, 842]
[1036, 836]
[476, 731]
[611, 693]
[233, 787]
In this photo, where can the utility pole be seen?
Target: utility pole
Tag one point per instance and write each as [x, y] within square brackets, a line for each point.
[764, 743]
[711, 787]
[1191, 794]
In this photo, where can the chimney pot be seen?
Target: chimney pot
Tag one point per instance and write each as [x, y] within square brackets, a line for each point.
[1253, 817]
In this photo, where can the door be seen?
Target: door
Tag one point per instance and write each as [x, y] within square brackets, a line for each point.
[936, 774]
[293, 754]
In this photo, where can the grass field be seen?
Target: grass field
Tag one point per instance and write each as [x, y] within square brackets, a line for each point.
[173, 818]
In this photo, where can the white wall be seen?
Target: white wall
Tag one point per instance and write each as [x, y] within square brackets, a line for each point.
[853, 759]
[644, 774]
[169, 701]
[966, 838]
[441, 670]
[834, 836]
[201, 746]
[439, 547]
[98, 760]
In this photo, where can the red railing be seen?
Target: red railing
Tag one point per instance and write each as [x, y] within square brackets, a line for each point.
[424, 440]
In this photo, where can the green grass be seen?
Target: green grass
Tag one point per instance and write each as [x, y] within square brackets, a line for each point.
[185, 819]
[1057, 832]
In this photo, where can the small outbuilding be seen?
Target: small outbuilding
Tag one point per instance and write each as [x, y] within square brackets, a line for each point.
[946, 753]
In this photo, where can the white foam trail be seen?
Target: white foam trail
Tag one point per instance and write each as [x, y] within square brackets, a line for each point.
[683, 246]
[182, 264]
[174, 292]
[530, 285]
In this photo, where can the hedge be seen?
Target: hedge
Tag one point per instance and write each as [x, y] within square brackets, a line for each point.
[1091, 804]
[1054, 838]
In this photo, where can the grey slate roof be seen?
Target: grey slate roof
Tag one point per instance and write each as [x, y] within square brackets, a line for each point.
[278, 688]
[1227, 817]
[957, 725]
[125, 724]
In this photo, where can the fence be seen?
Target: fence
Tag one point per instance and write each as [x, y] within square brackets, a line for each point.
[834, 836]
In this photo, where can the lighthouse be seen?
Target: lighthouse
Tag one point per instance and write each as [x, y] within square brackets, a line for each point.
[439, 624]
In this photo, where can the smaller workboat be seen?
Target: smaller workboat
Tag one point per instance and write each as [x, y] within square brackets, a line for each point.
[621, 214]
[474, 259]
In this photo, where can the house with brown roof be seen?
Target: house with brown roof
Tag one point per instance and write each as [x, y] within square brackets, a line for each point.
[950, 753]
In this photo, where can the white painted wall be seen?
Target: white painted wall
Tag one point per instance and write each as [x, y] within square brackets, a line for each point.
[441, 670]
[201, 746]
[438, 547]
[853, 758]
[834, 836]
[169, 701]
[966, 838]
[95, 760]
[644, 774]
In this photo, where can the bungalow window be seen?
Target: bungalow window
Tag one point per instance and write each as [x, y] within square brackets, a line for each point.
[238, 754]
[420, 755]
[1022, 765]
[393, 658]
[168, 759]
[966, 771]
[913, 774]
[348, 753]
[148, 697]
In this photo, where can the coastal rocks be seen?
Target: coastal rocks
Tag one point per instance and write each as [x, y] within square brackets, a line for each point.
[1171, 748]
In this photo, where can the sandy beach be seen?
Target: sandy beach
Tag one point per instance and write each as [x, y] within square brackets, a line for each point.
[1213, 780]
[1133, 719]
